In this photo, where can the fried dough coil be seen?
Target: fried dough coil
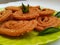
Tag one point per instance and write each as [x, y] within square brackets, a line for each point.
[47, 21]
[33, 13]
[17, 28]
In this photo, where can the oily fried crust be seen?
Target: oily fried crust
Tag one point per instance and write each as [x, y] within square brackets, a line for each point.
[17, 28]
[5, 15]
[33, 13]
[46, 11]
[19, 23]
[13, 8]
[47, 21]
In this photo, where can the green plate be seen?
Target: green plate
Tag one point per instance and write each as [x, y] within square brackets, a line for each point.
[29, 39]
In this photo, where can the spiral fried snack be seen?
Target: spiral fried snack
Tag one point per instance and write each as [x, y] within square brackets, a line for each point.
[47, 21]
[4, 15]
[33, 13]
[17, 28]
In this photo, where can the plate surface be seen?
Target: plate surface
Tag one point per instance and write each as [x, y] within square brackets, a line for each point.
[32, 39]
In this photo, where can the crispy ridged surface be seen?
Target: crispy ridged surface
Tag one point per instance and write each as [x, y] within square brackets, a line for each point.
[17, 28]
